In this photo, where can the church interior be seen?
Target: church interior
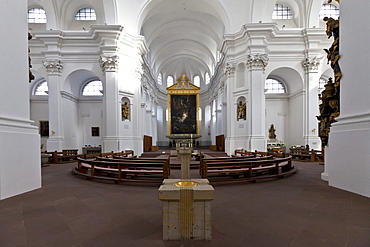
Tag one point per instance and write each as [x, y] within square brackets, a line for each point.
[215, 76]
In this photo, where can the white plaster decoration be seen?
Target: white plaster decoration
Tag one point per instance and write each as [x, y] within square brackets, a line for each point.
[53, 66]
[139, 71]
[257, 61]
[109, 63]
[311, 64]
[222, 86]
[229, 69]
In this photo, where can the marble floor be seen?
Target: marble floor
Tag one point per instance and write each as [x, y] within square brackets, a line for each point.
[300, 210]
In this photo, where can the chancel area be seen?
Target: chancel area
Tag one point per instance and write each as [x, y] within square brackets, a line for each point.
[281, 81]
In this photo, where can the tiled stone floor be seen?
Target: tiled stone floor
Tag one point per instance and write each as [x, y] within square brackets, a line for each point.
[300, 211]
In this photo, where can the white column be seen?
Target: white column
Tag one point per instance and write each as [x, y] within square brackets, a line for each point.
[230, 114]
[347, 155]
[256, 64]
[54, 68]
[112, 109]
[20, 165]
[310, 121]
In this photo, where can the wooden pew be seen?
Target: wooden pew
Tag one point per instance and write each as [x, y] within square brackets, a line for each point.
[221, 160]
[248, 170]
[67, 155]
[123, 170]
[305, 155]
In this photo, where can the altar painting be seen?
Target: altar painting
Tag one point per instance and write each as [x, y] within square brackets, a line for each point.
[183, 114]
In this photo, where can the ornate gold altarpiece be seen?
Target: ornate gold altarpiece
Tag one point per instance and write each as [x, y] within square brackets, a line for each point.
[183, 110]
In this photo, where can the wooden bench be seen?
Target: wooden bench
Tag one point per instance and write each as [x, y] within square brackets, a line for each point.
[221, 160]
[135, 170]
[248, 170]
[305, 155]
[67, 155]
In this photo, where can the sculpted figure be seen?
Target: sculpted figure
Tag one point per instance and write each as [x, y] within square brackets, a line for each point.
[241, 110]
[272, 134]
[125, 111]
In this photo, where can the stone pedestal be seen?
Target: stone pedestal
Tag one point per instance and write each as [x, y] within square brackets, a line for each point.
[186, 209]
[185, 155]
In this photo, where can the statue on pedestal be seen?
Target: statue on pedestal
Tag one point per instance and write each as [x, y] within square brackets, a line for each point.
[272, 134]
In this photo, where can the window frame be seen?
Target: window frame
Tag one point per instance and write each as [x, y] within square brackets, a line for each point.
[37, 85]
[335, 8]
[84, 85]
[280, 81]
[80, 17]
[284, 13]
[36, 14]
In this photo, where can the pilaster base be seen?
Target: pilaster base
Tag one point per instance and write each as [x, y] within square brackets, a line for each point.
[20, 167]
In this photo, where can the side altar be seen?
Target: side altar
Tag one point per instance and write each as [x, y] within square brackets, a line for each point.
[183, 113]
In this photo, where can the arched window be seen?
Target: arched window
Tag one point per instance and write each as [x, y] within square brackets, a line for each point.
[322, 83]
[86, 14]
[329, 10]
[197, 81]
[169, 81]
[208, 79]
[36, 15]
[282, 12]
[41, 89]
[159, 79]
[273, 86]
[93, 88]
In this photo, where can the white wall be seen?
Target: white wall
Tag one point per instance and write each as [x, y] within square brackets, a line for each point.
[40, 112]
[347, 156]
[19, 139]
[276, 114]
[90, 115]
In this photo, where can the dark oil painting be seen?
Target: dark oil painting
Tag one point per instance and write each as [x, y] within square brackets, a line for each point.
[183, 114]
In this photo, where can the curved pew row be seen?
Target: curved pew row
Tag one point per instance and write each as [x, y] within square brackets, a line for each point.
[247, 169]
[124, 170]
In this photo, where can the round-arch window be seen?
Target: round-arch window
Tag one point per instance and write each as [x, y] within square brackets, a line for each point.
[208, 79]
[42, 89]
[169, 81]
[197, 81]
[86, 14]
[36, 15]
[93, 88]
[328, 10]
[159, 79]
[273, 86]
[282, 12]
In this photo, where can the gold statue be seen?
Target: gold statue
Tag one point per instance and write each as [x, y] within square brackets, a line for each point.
[241, 111]
[272, 134]
[125, 111]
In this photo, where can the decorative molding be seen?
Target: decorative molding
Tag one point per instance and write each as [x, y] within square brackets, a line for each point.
[109, 63]
[53, 66]
[257, 61]
[139, 71]
[229, 69]
[311, 64]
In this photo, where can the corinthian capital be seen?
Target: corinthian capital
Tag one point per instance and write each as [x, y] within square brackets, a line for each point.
[229, 69]
[53, 66]
[109, 63]
[257, 61]
[311, 64]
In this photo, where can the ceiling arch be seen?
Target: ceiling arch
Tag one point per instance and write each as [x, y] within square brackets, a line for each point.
[182, 36]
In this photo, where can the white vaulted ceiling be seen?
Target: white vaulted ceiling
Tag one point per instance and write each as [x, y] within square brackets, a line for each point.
[183, 37]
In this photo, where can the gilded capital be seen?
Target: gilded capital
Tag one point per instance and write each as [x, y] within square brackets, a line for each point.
[257, 61]
[109, 63]
[53, 66]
